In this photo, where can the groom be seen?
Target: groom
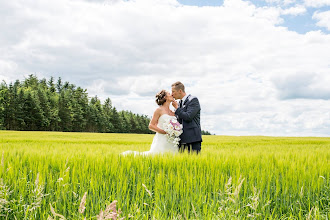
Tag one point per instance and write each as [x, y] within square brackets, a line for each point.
[188, 113]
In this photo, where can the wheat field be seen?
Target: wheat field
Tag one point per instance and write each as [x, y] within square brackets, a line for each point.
[55, 175]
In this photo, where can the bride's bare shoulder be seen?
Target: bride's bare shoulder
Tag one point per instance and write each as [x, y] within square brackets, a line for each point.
[158, 111]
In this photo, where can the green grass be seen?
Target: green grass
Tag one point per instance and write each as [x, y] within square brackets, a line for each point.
[233, 177]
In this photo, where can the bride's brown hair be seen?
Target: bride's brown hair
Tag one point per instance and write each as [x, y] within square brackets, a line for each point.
[161, 97]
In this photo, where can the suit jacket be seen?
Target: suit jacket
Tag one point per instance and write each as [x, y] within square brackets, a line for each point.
[189, 117]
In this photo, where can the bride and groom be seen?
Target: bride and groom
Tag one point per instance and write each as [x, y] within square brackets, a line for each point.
[186, 112]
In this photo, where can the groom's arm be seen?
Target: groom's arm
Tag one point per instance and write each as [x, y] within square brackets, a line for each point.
[192, 109]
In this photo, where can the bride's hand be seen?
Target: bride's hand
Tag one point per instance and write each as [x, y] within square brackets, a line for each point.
[162, 132]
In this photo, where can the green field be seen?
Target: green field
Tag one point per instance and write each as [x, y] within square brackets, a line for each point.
[233, 177]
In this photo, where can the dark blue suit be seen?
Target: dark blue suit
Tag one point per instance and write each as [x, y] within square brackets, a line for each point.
[189, 116]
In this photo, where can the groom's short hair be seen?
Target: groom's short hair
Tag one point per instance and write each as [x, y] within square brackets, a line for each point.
[178, 85]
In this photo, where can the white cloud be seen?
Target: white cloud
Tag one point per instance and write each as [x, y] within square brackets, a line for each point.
[303, 85]
[323, 19]
[296, 10]
[281, 2]
[317, 3]
[288, 2]
[235, 58]
[270, 14]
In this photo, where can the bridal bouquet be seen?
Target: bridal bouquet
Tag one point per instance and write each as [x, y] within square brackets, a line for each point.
[173, 129]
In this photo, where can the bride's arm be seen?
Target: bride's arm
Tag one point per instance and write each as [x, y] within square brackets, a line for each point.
[154, 121]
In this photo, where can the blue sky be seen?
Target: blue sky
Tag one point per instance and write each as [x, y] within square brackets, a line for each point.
[258, 68]
[299, 23]
[304, 23]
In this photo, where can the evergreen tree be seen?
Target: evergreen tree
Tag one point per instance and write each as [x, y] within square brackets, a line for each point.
[64, 111]
[51, 85]
[126, 125]
[54, 118]
[79, 109]
[116, 121]
[19, 110]
[43, 84]
[133, 122]
[3, 91]
[206, 133]
[45, 107]
[97, 119]
[107, 109]
[9, 112]
[140, 123]
[59, 85]
[31, 82]
[33, 116]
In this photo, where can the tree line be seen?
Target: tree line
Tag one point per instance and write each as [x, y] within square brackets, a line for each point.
[41, 105]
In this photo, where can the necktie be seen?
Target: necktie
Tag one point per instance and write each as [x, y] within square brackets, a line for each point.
[180, 103]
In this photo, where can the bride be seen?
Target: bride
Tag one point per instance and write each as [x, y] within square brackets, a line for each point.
[160, 143]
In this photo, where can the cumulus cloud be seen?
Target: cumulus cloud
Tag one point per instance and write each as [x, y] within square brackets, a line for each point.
[281, 2]
[323, 19]
[236, 58]
[317, 3]
[296, 10]
[303, 86]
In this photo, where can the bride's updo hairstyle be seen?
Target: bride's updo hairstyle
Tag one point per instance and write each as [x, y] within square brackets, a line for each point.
[161, 97]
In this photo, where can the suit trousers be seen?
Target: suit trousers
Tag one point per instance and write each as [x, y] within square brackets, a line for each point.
[194, 147]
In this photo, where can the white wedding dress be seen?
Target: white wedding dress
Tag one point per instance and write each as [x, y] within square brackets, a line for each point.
[160, 143]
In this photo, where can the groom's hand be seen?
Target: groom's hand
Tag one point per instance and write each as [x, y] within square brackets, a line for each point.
[175, 104]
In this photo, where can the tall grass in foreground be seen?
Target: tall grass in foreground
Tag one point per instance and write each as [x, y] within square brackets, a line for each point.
[233, 178]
